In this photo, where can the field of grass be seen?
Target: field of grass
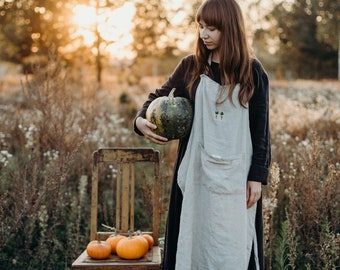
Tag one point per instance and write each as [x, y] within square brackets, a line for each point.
[52, 122]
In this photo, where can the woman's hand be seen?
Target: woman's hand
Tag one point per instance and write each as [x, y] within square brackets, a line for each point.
[253, 192]
[147, 128]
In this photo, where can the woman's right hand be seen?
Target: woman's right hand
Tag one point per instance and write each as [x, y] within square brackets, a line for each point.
[147, 128]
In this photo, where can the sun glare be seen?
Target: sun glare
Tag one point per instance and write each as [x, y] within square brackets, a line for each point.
[84, 16]
[113, 25]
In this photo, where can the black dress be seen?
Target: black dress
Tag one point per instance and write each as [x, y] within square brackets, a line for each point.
[260, 136]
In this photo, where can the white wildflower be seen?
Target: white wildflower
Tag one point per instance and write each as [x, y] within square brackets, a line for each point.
[5, 157]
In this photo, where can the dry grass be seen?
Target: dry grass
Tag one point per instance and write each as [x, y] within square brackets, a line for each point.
[305, 121]
[52, 122]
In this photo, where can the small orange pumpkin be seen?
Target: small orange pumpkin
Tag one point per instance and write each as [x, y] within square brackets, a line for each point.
[149, 239]
[113, 241]
[132, 247]
[143, 242]
[99, 250]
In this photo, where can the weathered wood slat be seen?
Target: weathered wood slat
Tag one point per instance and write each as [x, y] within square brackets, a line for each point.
[132, 196]
[125, 197]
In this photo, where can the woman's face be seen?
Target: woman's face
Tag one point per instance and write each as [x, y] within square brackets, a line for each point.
[210, 35]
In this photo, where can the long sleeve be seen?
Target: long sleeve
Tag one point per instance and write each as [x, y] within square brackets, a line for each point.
[179, 79]
[259, 126]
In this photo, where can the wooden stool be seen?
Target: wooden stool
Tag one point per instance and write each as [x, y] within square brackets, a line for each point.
[125, 161]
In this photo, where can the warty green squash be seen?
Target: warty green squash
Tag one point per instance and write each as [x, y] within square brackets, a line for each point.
[172, 115]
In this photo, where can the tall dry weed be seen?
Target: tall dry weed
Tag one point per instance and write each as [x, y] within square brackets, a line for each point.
[313, 198]
[43, 131]
[305, 143]
[269, 205]
[310, 199]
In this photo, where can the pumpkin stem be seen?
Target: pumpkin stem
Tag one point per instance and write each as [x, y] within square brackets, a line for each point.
[171, 94]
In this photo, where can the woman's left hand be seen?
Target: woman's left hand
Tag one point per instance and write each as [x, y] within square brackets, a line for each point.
[253, 192]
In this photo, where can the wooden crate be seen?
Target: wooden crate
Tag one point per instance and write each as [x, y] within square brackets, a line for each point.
[125, 160]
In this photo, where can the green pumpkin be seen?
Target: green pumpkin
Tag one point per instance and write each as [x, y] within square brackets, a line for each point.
[172, 115]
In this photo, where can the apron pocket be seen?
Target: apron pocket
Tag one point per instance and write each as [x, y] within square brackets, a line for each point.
[223, 175]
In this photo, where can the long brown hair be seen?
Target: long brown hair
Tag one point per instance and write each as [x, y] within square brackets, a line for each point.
[235, 54]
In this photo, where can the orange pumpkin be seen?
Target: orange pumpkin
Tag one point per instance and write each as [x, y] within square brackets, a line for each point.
[132, 247]
[99, 250]
[143, 242]
[150, 240]
[113, 241]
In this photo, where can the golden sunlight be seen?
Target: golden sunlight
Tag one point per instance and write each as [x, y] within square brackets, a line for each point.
[113, 25]
[84, 16]
[85, 19]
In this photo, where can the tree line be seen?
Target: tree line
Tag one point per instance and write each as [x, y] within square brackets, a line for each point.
[296, 39]
[307, 37]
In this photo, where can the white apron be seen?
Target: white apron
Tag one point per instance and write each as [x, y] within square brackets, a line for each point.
[216, 229]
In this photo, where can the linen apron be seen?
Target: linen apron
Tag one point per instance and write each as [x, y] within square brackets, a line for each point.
[217, 232]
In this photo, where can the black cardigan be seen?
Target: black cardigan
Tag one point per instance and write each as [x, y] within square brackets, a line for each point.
[259, 170]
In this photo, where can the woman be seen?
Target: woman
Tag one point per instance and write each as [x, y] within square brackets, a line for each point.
[215, 212]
